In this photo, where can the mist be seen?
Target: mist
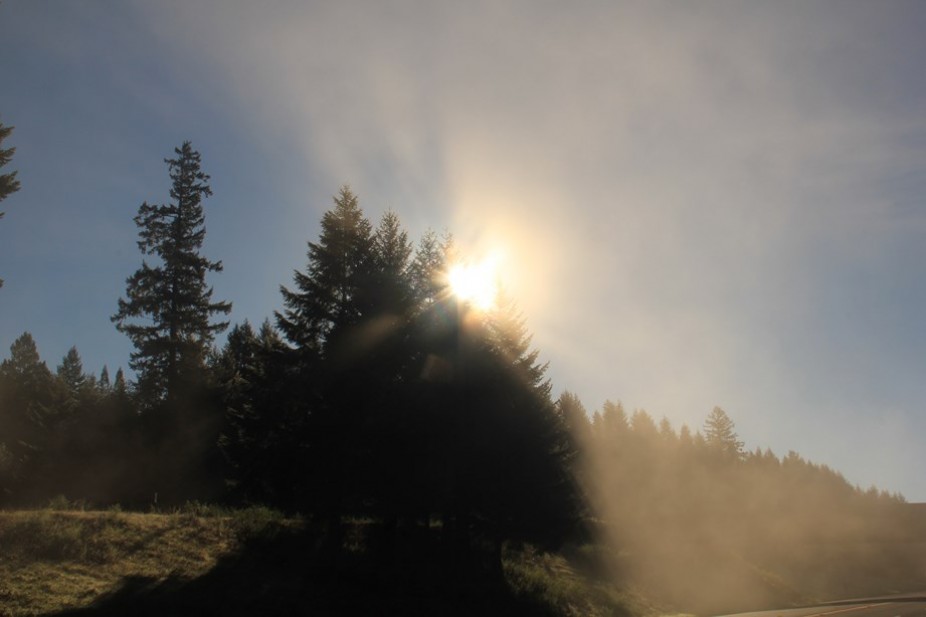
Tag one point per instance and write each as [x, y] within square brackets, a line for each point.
[698, 524]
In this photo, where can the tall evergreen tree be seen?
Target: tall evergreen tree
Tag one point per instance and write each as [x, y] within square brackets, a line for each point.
[575, 419]
[427, 268]
[74, 386]
[534, 498]
[168, 308]
[119, 386]
[71, 371]
[103, 383]
[720, 434]
[324, 319]
[27, 399]
[329, 295]
[8, 182]
[614, 419]
[392, 248]
[391, 254]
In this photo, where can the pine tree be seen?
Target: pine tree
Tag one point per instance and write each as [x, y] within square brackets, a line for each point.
[643, 425]
[512, 341]
[575, 417]
[168, 307]
[8, 182]
[391, 254]
[720, 434]
[329, 295]
[614, 420]
[27, 398]
[104, 384]
[71, 371]
[325, 319]
[24, 362]
[506, 448]
[392, 249]
[262, 438]
[427, 268]
[119, 386]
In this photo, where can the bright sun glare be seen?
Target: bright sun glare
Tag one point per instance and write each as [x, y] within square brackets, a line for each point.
[476, 283]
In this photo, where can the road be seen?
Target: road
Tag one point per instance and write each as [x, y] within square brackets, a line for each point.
[909, 605]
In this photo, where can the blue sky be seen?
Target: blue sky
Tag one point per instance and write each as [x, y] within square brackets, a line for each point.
[699, 204]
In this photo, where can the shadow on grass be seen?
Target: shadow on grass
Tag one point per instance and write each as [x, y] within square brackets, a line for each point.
[286, 574]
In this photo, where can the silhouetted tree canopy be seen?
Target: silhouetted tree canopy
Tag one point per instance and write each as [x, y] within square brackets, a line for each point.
[26, 410]
[71, 371]
[329, 295]
[168, 307]
[168, 315]
[8, 182]
[400, 401]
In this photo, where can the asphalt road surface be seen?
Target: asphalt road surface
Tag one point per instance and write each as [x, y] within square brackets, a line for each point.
[908, 605]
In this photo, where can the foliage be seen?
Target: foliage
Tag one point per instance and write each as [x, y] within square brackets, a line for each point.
[27, 414]
[720, 435]
[394, 400]
[63, 431]
[168, 315]
[71, 372]
[330, 294]
[8, 182]
[168, 310]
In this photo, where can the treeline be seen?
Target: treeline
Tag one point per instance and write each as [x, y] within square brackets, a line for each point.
[704, 524]
[63, 432]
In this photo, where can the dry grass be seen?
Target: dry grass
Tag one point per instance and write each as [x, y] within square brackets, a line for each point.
[55, 560]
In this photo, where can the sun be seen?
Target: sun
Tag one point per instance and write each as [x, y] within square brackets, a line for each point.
[476, 283]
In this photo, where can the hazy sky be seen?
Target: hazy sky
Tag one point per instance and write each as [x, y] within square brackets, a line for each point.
[699, 203]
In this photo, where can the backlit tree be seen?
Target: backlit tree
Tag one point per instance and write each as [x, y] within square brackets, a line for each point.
[8, 182]
[168, 309]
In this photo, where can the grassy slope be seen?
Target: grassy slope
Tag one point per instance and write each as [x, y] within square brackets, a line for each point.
[51, 560]
[96, 563]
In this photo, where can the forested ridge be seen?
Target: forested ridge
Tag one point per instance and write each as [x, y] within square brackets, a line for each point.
[374, 394]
